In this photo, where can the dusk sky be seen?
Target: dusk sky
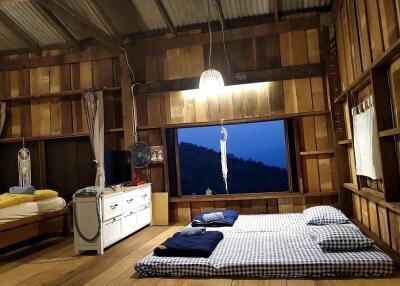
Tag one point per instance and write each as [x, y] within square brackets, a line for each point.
[260, 141]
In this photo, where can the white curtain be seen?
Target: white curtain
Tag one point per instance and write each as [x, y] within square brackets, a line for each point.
[93, 103]
[2, 115]
[366, 143]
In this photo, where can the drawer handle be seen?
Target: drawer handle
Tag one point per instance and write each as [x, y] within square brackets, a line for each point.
[129, 201]
[146, 207]
[144, 196]
[113, 206]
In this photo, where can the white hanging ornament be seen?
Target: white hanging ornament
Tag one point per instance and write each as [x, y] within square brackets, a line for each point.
[224, 161]
[24, 167]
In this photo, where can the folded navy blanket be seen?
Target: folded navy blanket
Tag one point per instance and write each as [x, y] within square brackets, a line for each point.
[27, 190]
[229, 218]
[190, 231]
[190, 246]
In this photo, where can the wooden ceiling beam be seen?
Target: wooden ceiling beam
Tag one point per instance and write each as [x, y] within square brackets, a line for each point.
[165, 16]
[59, 26]
[267, 29]
[275, 74]
[21, 34]
[77, 21]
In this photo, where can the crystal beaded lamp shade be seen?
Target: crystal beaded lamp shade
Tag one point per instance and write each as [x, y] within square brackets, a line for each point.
[211, 80]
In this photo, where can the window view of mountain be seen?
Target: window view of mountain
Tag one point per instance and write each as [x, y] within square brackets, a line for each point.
[200, 169]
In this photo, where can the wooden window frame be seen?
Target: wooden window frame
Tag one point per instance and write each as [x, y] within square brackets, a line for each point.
[292, 163]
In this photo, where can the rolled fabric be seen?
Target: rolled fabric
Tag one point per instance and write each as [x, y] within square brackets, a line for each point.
[213, 216]
[191, 231]
[28, 190]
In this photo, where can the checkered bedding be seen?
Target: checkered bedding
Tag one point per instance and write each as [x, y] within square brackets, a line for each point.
[266, 223]
[270, 251]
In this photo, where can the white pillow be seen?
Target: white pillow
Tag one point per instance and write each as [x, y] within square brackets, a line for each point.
[340, 237]
[322, 215]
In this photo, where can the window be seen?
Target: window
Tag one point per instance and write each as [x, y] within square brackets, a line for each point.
[257, 158]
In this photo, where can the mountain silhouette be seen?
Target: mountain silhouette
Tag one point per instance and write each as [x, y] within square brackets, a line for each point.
[200, 168]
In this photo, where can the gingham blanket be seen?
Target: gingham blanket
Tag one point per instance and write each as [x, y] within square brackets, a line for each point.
[271, 250]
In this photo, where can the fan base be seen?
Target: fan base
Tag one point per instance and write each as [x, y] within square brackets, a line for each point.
[136, 178]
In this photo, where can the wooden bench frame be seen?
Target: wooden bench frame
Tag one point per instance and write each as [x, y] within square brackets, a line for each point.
[56, 222]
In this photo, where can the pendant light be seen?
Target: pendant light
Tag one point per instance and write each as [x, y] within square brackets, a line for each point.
[211, 80]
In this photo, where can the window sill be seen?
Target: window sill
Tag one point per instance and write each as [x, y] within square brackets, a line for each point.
[247, 197]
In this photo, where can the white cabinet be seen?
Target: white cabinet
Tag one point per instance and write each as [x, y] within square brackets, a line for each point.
[121, 212]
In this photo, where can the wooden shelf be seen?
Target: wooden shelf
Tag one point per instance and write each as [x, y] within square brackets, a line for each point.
[236, 121]
[70, 93]
[373, 196]
[321, 152]
[358, 84]
[386, 58]
[246, 197]
[345, 142]
[156, 163]
[389, 132]
[54, 137]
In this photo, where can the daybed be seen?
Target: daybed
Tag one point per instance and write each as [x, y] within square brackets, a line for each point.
[27, 220]
[270, 246]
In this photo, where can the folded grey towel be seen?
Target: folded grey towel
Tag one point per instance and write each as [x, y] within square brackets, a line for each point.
[27, 190]
[191, 231]
[213, 216]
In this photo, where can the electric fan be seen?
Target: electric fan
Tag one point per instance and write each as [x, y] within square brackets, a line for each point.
[140, 158]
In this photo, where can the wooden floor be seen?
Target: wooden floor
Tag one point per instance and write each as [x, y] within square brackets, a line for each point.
[51, 262]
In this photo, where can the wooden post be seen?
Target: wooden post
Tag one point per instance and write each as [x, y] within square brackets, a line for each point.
[387, 145]
[126, 82]
[340, 164]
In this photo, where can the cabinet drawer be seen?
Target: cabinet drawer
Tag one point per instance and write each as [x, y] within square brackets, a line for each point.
[112, 231]
[129, 201]
[129, 222]
[112, 206]
[144, 215]
[143, 196]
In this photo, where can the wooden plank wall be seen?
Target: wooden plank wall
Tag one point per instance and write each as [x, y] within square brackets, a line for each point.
[66, 163]
[59, 115]
[365, 29]
[304, 99]
[245, 102]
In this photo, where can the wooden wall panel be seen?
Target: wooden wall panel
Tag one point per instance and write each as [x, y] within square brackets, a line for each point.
[390, 28]
[374, 26]
[364, 34]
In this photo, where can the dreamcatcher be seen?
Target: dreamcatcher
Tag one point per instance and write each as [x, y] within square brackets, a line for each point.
[24, 166]
[224, 161]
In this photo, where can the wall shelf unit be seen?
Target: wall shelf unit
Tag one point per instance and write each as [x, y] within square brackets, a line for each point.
[70, 93]
[321, 152]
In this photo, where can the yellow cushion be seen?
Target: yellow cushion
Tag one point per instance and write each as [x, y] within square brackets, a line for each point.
[7, 201]
[45, 195]
[22, 198]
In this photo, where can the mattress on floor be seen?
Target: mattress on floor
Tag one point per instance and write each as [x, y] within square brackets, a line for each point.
[266, 223]
[30, 209]
[270, 246]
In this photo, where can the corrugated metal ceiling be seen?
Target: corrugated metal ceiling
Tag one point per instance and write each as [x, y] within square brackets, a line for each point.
[131, 16]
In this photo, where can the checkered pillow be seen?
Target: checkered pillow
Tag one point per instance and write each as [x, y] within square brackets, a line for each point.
[322, 215]
[340, 237]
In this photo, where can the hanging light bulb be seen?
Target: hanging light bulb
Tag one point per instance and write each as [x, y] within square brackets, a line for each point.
[211, 80]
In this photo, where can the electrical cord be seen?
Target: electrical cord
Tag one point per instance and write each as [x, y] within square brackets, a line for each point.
[210, 33]
[223, 35]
